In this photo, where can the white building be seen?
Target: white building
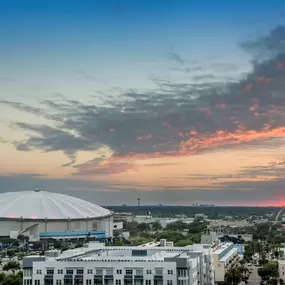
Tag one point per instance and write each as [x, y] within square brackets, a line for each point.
[40, 215]
[97, 264]
[225, 256]
[211, 236]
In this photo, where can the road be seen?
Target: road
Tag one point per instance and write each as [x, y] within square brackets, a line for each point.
[278, 214]
[254, 279]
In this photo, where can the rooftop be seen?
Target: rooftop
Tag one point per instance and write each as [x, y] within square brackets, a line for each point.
[47, 205]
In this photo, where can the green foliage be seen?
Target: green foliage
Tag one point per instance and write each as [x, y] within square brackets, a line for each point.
[183, 243]
[197, 227]
[156, 226]
[233, 276]
[11, 279]
[176, 226]
[119, 243]
[140, 240]
[269, 270]
[12, 265]
[190, 211]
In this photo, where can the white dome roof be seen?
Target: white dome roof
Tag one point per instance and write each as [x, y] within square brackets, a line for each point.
[40, 205]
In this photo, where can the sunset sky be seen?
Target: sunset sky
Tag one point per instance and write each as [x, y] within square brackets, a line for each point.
[175, 102]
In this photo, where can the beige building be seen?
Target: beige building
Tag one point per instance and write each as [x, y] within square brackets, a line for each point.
[225, 257]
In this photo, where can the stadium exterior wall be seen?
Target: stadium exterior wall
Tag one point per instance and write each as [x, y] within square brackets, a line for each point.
[105, 223]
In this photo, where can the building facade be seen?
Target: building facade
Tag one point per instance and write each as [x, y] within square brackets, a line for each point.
[281, 269]
[225, 257]
[97, 264]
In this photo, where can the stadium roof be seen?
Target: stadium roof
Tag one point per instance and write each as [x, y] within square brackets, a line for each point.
[47, 205]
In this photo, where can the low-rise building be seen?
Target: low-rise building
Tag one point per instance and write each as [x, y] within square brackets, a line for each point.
[97, 264]
[211, 236]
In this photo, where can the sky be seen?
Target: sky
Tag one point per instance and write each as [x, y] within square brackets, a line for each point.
[175, 102]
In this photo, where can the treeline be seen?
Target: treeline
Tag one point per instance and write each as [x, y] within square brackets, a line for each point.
[190, 211]
[179, 232]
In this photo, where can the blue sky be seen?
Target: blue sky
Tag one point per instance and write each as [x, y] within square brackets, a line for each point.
[84, 52]
[110, 38]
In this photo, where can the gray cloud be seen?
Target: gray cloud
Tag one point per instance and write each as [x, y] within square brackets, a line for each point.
[175, 117]
[103, 193]
[174, 56]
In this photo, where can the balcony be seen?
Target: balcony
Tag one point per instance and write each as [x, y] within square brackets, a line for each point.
[98, 276]
[78, 276]
[138, 276]
[68, 276]
[49, 276]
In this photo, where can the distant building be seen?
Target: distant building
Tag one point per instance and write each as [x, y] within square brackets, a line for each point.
[201, 216]
[210, 237]
[229, 217]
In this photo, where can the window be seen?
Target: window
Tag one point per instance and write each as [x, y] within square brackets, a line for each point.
[79, 271]
[69, 271]
[58, 282]
[37, 282]
[170, 272]
[94, 225]
[148, 271]
[109, 271]
[129, 272]
[39, 271]
[119, 271]
[118, 282]
[159, 272]
[182, 273]
[169, 282]
[99, 271]
[60, 271]
[139, 272]
[147, 282]
[89, 271]
[50, 271]
[88, 281]
[27, 273]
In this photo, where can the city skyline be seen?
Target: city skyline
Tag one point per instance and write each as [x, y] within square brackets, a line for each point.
[173, 103]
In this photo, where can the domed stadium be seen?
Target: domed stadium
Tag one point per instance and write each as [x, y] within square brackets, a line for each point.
[40, 215]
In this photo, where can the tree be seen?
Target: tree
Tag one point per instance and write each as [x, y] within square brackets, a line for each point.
[268, 271]
[143, 227]
[2, 277]
[156, 226]
[233, 276]
[118, 243]
[12, 280]
[12, 265]
[176, 226]
[183, 243]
